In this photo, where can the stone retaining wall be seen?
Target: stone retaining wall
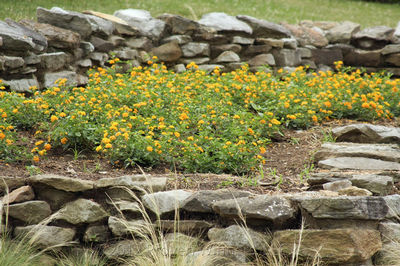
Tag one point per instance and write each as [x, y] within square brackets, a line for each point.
[351, 213]
[65, 44]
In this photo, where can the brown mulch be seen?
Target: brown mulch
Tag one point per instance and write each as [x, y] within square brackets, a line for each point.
[289, 159]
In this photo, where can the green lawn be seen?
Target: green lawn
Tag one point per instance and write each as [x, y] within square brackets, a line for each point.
[292, 11]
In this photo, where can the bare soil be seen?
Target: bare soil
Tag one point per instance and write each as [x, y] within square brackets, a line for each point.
[289, 160]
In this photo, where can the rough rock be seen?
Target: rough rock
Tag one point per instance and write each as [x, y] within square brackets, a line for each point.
[142, 20]
[22, 85]
[238, 237]
[54, 61]
[363, 58]
[196, 60]
[287, 57]
[305, 52]
[179, 68]
[358, 163]
[126, 54]
[9, 183]
[56, 198]
[62, 182]
[276, 210]
[262, 59]
[99, 58]
[16, 37]
[85, 63]
[265, 29]
[225, 23]
[343, 207]
[185, 226]
[194, 49]
[55, 36]
[390, 233]
[290, 43]
[50, 79]
[46, 236]
[218, 49]
[81, 211]
[177, 242]
[275, 43]
[222, 257]
[242, 40]
[202, 200]
[126, 206]
[165, 202]
[11, 62]
[367, 133]
[336, 246]
[307, 36]
[179, 39]
[337, 185]
[326, 56]
[385, 152]
[30, 212]
[257, 49]
[135, 182]
[393, 59]
[169, 52]
[121, 227]
[87, 48]
[179, 25]
[21, 194]
[393, 203]
[343, 32]
[377, 184]
[124, 249]
[227, 57]
[373, 37]
[101, 45]
[391, 49]
[31, 59]
[85, 25]
[139, 43]
[96, 233]
[354, 191]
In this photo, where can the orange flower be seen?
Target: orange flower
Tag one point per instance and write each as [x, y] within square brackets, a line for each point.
[149, 148]
[53, 118]
[47, 146]
[64, 140]
[2, 135]
[36, 158]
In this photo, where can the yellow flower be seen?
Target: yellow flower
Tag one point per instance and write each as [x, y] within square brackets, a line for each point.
[275, 121]
[149, 148]
[99, 148]
[53, 118]
[2, 135]
[40, 142]
[42, 152]
[251, 131]
[47, 146]
[36, 158]
[177, 134]
[263, 150]
[108, 146]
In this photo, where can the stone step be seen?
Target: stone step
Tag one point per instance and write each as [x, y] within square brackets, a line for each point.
[358, 163]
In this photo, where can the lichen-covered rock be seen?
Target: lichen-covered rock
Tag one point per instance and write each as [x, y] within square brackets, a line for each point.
[336, 246]
[240, 237]
[165, 202]
[81, 211]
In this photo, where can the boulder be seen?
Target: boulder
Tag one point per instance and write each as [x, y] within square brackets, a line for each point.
[363, 58]
[99, 58]
[179, 39]
[179, 24]
[179, 68]
[62, 182]
[393, 203]
[142, 20]
[194, 49]
[218, 49]
[85, 25]
[225, 23]
[240, 237]
[135, 182]
[257, 49]
[343, 32]
[121, 227]
[377, 184]
[261, 60]
[227, 57]
[11, 62]
[390, 233]
[326, 56]
[101, 45]
[265, 29]
[8, 183]
[358, 163]
[367, 133]
[286, 57]
[45, 236]
[81, 211]
[393, 59]
[337, 185]
[30, 212]
[391, 49]
[343, 207]
[169, 52]
[121, 27]
[166, 202]
[373, 38]
[126, 54]
[305, 52]
[143, 43]
[96, 234]
[276, 210]
[21, 194]
[54, 61]
[85, 63]
[307, 36]
[17, 37]
[22, 85]
[333, 246]
[385, 152]
[202, 200]
[291, 43]
[124, 249]
[87, 48]
[55, 197]
[55, 36]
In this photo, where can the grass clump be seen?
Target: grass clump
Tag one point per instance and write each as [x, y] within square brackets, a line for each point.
[197, 122]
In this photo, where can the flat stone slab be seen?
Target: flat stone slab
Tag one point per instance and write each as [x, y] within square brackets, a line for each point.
[135, 182]
[121, 227]
[184, 226]
[345, 207]
[223, 22]
[165, 202]
[62, 182]
[30, 212]
[358, 163]
[337, 246]
[277, 210]
[367, 133]
[385, 152]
